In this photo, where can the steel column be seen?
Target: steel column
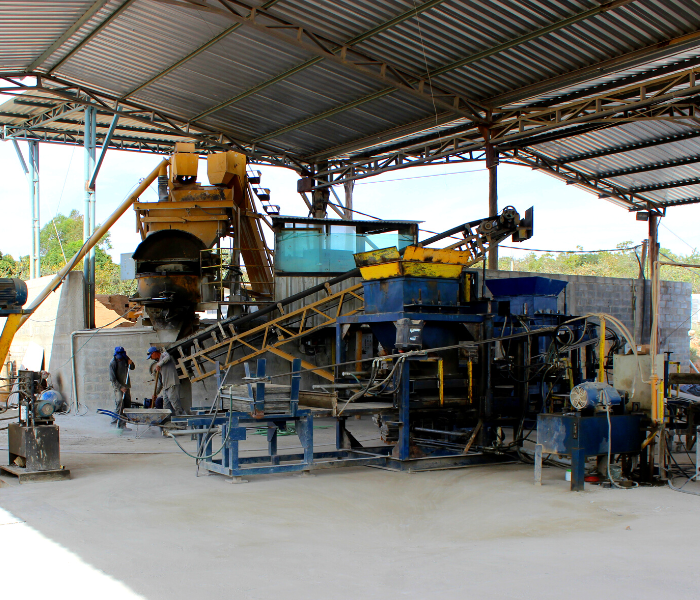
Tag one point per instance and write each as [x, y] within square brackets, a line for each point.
[90, 143]
[403, 396]
[34, 261]
[320, 196]
[349, 188]
[493, 210]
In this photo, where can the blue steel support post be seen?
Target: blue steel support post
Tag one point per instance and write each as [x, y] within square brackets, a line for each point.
[32, 192]
[272, 442]
[403, 400]
[89, 142]
[35, 265]
[233, 448]
[339, 353]
[578, 469]
[260, 386]
[305, 431]
[296, 385]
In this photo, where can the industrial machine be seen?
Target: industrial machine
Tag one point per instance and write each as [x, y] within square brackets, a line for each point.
[450, 367]
[455, 365]
[181, 265]
[33, 441]
[600, 425]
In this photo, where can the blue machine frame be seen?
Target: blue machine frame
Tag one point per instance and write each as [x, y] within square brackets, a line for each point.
[580, 436]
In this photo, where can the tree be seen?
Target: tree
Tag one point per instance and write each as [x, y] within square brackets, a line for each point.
[61, 239]
[624, 263]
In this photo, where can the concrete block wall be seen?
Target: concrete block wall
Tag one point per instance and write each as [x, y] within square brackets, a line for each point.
[675, 320]
[618, 297]
[93, 353]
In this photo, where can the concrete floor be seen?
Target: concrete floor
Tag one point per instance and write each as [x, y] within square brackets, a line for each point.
[135, 522]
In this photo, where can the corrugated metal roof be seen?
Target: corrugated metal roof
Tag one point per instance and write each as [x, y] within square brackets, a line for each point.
[204, 71]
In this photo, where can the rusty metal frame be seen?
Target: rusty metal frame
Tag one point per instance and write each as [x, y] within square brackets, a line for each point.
[268, 337]
[72, 97]
[665, 98]
[570, 176]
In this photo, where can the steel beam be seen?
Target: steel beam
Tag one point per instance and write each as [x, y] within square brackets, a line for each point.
[32, 174]
[630, 60]
[639, 77]
[35, 261]
[382, 137]
[208, 138]
[345, 56]
[91, 35]
[664, 186]
[103, 152]
[191, 55]
[682, 201]
[527, 127]
[20, 157]
[454, 65]
[587, 14]
[667, 139]
[323, 115]
[309, 63]
[676, 162]
[89, 216]
[609, 191]
[87, 15]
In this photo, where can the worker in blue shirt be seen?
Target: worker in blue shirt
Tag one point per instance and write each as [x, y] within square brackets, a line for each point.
[119, 369]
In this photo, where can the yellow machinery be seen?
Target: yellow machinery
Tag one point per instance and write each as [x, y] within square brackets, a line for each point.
[180, 265]
[415, 262]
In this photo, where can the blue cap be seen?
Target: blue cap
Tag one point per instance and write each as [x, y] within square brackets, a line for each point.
[151, 350]
[119, 350]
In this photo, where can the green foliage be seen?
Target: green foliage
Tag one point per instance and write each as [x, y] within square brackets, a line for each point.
[9, 267]
[59, 241]
[624, 263]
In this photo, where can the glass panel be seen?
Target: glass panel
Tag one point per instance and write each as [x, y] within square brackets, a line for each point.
[313, 251]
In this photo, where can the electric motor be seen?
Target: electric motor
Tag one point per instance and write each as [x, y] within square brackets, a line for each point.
[13, 293]
[594, 393]
[43, 409]
[54, 397]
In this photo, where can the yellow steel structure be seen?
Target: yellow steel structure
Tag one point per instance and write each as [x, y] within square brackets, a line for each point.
[14, 322]
[416, 262]
[211, 212]
[270, 336]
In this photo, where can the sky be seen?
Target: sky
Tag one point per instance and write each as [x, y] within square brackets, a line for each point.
[441, 196]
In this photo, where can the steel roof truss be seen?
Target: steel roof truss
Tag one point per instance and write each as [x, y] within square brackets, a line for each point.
[675, 162]
[665, 185]
[667, 139]
[345, 56]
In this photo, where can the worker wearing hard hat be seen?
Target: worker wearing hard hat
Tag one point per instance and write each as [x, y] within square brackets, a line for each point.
[168, 379]
[121, 382]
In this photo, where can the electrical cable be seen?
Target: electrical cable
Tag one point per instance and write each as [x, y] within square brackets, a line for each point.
[571, 251]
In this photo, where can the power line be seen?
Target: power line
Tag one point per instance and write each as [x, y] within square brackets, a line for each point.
[419, 177]
[679, 237]
[572, 251]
